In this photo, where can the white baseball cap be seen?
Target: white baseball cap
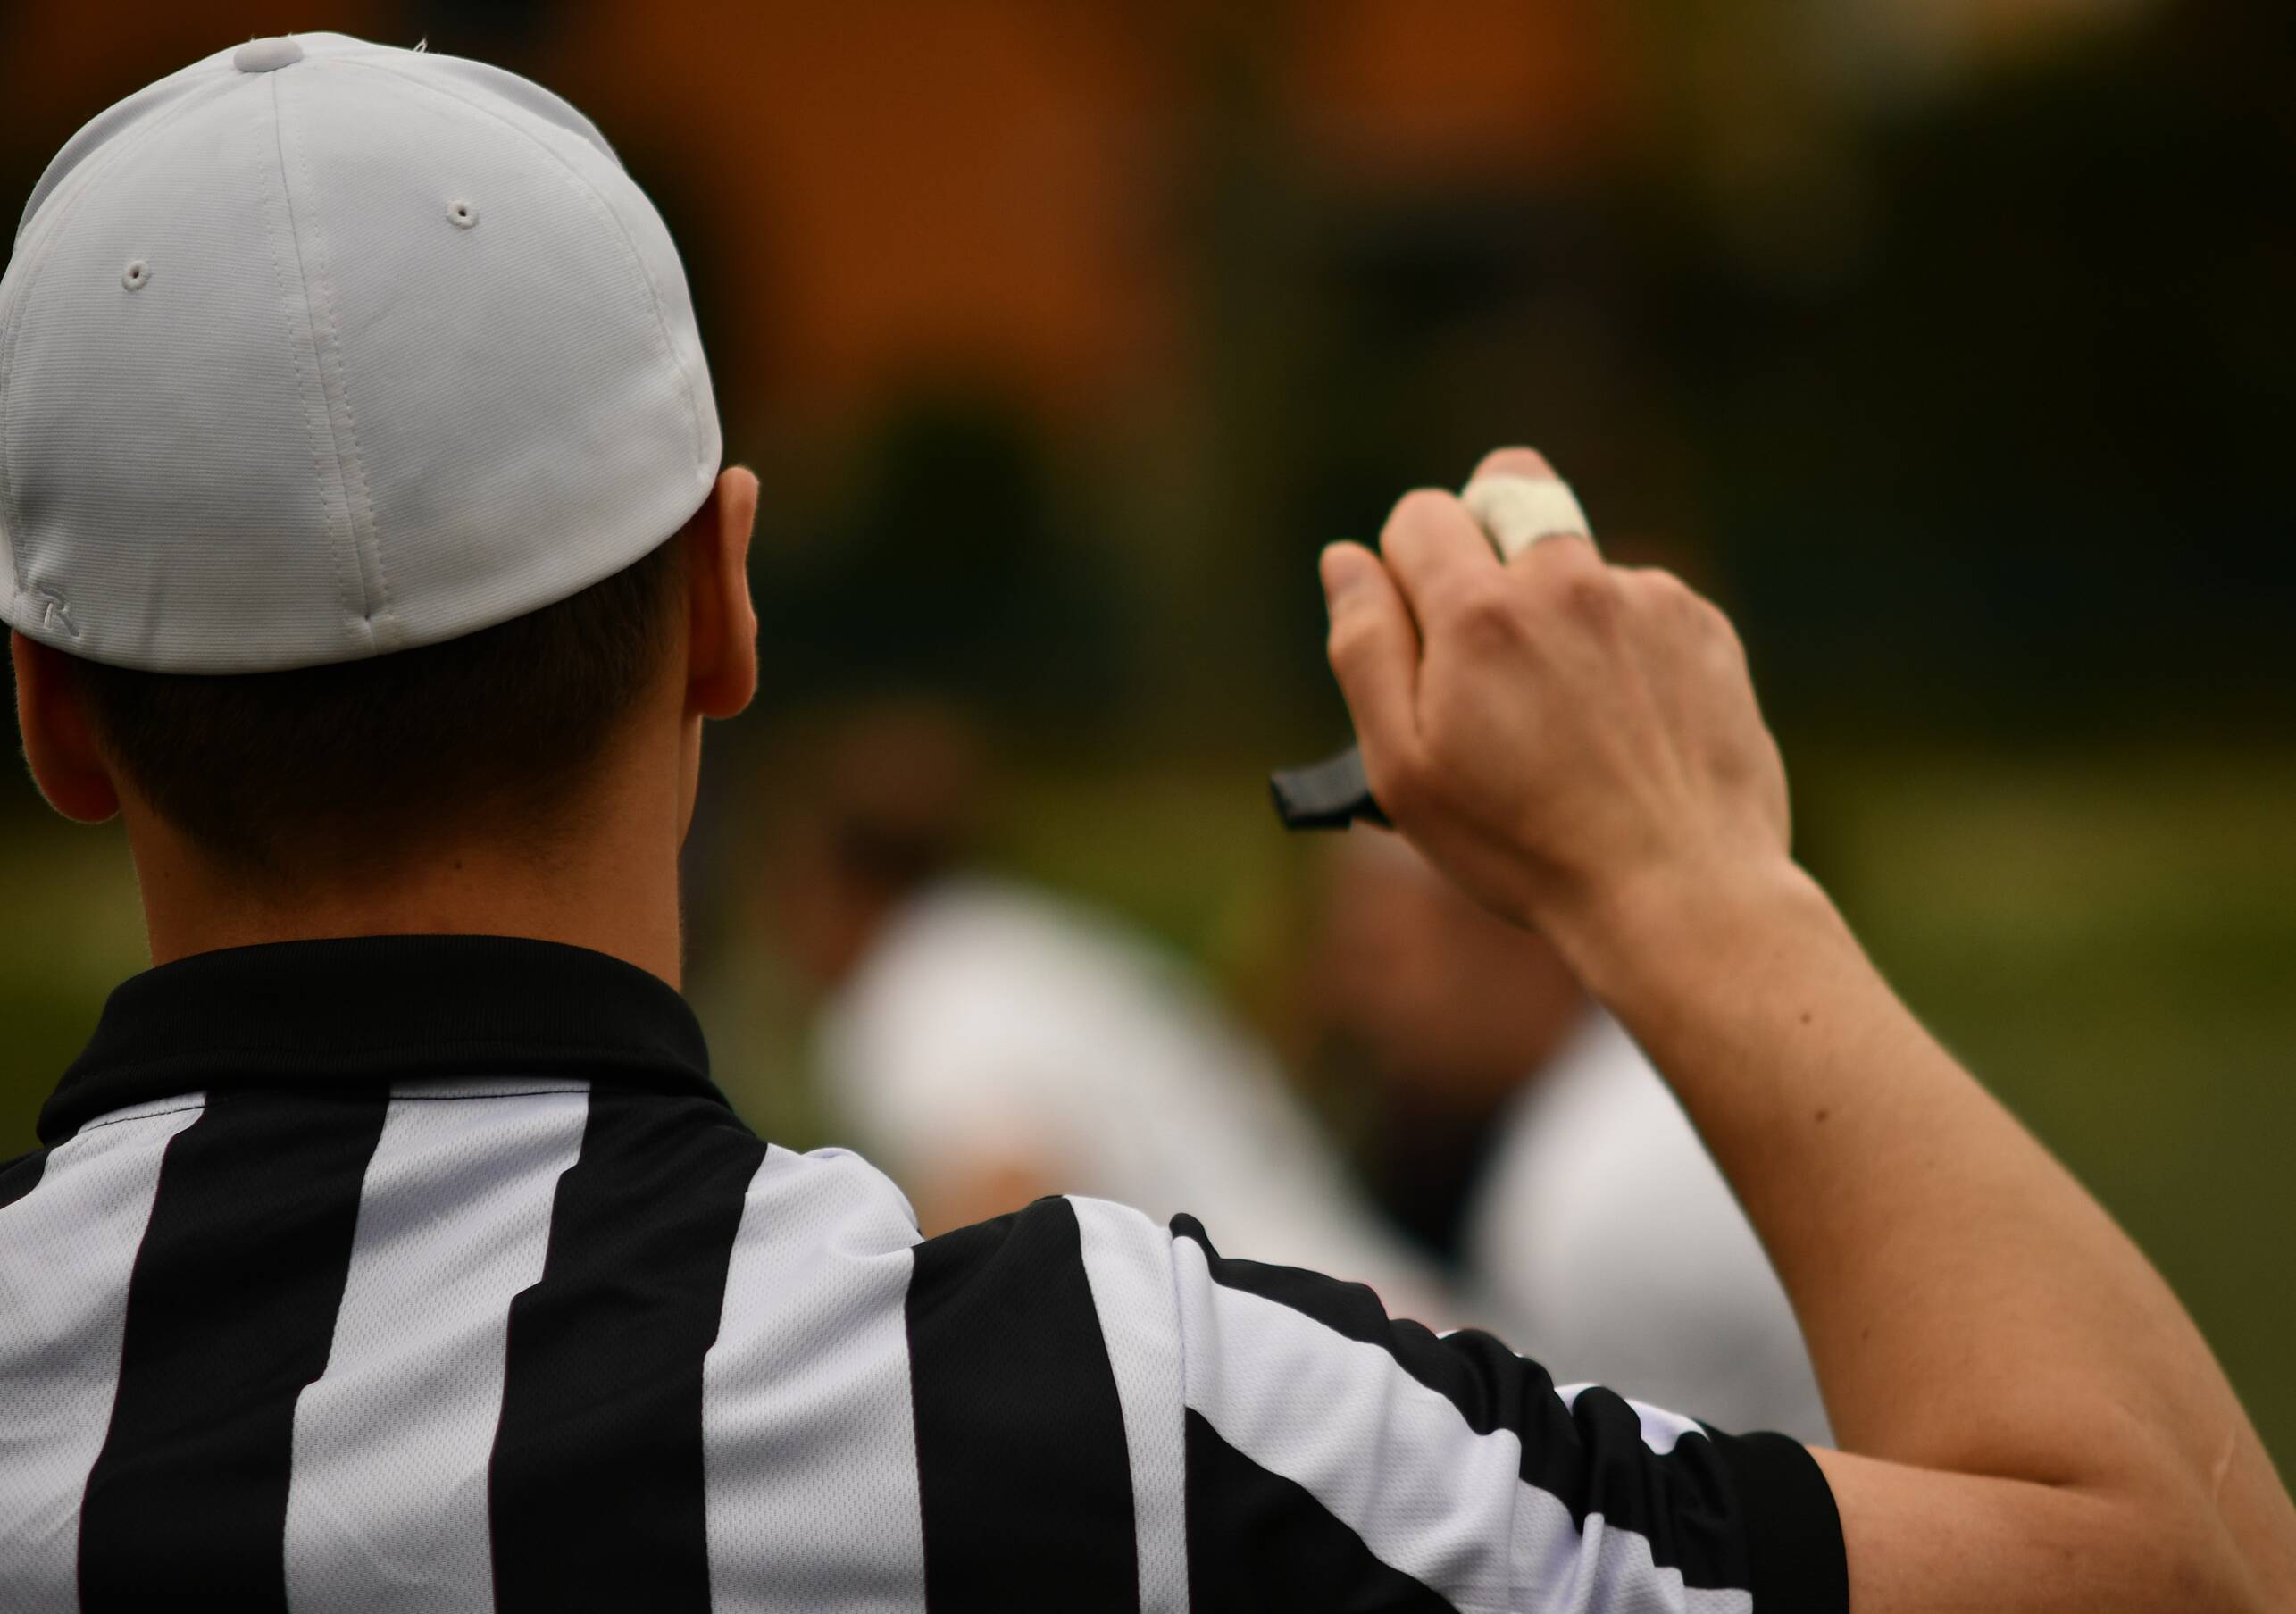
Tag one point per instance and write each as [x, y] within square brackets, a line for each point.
[319, 349]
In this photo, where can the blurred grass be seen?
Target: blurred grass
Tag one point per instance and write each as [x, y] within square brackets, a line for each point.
[2109, 939]
[2110, 943]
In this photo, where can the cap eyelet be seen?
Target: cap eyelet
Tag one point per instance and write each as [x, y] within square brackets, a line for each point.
[137, 275]
[462, 215]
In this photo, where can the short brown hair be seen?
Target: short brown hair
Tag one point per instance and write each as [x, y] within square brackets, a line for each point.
[332, 768]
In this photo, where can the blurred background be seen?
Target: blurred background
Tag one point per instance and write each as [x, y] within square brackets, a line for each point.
[1951, 344]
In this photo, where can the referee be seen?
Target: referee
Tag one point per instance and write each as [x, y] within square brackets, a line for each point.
[366, 548]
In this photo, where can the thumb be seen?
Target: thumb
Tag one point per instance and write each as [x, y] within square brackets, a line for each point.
[1374, 652]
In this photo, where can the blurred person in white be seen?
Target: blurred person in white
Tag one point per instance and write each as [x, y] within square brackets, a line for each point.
[987, 1040]
[1521, 1135]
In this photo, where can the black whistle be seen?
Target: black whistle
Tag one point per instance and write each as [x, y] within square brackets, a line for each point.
[1328, 795]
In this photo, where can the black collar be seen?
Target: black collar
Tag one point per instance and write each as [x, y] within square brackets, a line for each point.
[369, 1010]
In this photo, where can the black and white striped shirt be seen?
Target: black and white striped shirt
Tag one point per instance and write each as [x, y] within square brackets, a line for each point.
[434, 1274]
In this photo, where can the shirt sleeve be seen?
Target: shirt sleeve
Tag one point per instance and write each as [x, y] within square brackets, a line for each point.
[1335, 1458]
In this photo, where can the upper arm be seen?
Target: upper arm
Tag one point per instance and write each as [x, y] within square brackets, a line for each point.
[1336, 1458]
[1285, 1443]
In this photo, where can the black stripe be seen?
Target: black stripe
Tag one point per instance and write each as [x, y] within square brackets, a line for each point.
[1589, 1455]
[20, 1176]
[595, 1487]
[230, 1313]
[1793, 1529]
[1023, 1474]
[1257, 1541]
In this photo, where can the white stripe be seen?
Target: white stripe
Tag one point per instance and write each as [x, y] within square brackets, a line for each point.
[808, 1437]
[1128, 1262]
[1398, 1464]
[387, 1506]
[67, 1251]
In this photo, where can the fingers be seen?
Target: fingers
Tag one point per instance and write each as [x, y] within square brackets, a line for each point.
[1436, 564]
[1434, 550]
[1374, 651]
[1514, 461]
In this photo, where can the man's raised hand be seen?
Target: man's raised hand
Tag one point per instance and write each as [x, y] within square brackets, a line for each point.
[1567, 739]
[2030, 1420]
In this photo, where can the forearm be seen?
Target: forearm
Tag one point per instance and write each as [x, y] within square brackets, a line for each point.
[1969, 1308]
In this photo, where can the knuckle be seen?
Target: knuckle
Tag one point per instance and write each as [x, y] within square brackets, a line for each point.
[1588, 595]
[1663, 587]
[1348, 639]
[1559, 564]
[1571, 554]
[1487, 612]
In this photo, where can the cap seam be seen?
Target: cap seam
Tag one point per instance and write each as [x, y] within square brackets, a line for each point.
[41, 252]
[351, 584]
[146, 102]
[365, 542]
[636, 259]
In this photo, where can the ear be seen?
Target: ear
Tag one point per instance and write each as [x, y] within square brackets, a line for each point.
[722, 624]
[58, 742]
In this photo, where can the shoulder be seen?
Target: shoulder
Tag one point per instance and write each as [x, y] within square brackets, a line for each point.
[1046, 1259]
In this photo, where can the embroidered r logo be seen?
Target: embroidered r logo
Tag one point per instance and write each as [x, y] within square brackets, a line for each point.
[54, 613]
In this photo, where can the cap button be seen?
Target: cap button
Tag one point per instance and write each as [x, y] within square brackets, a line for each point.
[266, 56]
